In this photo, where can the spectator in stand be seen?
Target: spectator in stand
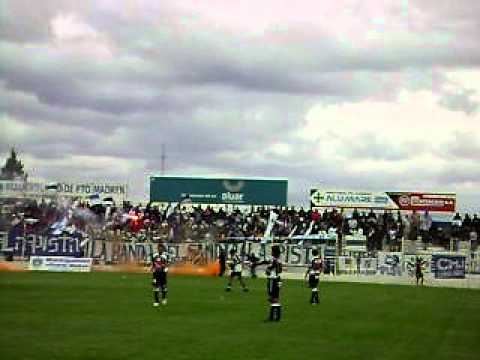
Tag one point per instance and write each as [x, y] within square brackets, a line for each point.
[198, 224]
[315, 216]
[476, 223]
[473, 238]
[466, 227]
[414, 225]
[457, 230]
[425, 225]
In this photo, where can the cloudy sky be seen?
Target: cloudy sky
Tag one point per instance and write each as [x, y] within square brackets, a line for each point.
[347, 94]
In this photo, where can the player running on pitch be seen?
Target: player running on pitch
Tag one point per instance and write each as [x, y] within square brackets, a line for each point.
[236, 266]
[313, 272]
[159, 271]
[274, 283]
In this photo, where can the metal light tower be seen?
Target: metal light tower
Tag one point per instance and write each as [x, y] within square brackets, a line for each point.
[163, 158]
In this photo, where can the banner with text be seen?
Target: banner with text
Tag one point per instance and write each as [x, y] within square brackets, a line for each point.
[60, 263]
[448, 266]
[419, 201]
[117, 191]
[239, 191]
[390, 263]
[292, 254]
[409, 263]
[64, 245]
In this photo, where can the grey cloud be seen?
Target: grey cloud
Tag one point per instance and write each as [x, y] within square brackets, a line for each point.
[455, 176]
[462, 100]
[22, 22]
[371, 146]
[463, 145]
[207, 94]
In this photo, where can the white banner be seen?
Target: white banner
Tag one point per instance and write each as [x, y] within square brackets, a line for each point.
[351, 199]
[117, 191]
[114, 190]
[21, 188]
[355, 243]
[60, 263]
[354, 265]
[346, 264]
[368, 266]
[390, 263]
[474, 264]
[409, 262]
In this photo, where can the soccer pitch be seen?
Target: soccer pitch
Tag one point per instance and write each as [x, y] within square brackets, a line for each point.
[110, 316]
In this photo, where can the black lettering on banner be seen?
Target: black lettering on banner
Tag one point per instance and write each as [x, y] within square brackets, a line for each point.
[63, 243]
[243, 249]
[287, 253]
[92, 248]
[150, 251]
[248, 247]
[130, 253]
[103, 250]
[173, 251]
[28, 245]
[74, 245]
[296, 255]
[139, 252]
[36, 244]
[307, 255]
[54, 245]
[282, 249]
[263, 252]
[218, 249]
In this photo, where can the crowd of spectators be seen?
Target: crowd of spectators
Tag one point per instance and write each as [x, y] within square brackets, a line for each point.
[197, 223]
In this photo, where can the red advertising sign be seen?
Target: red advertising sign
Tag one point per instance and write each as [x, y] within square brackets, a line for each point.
[424, 201]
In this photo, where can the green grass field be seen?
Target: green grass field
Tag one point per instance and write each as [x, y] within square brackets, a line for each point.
[110, 316]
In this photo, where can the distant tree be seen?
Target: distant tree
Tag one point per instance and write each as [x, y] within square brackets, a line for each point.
[13, 168]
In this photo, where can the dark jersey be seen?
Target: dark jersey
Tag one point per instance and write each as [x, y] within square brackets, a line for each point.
[418, 269]
[314, 270]
[274, 281]
[316, 266]
[160, 270]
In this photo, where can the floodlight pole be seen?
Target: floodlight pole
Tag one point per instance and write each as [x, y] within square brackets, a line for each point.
[163, 158]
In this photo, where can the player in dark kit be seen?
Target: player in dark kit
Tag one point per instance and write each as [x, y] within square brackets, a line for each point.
[236, 267]
[159, 272]
[313, 272]
[274, 283]
[419, 270]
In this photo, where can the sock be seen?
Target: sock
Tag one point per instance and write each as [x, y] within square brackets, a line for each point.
[275, 312]
[278, 312]
[164, 293]
[155, 295]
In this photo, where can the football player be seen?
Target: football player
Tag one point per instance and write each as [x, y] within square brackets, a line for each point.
[159, 271]
[274, 283]
[236, 266]
[313, 273]
[419, 270]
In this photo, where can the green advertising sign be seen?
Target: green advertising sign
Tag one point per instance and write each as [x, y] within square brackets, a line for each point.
[241, 191]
